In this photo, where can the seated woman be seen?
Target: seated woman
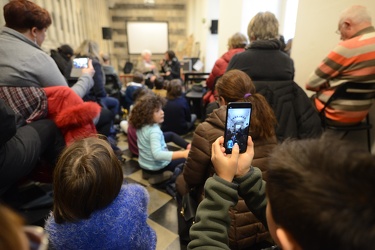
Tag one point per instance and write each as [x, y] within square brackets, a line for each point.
[111, 106]
[171, 66]
[177, 116]
[90, 49]
[233, 86]
[23, 63]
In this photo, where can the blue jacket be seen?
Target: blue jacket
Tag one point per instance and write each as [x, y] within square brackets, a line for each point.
[176, 116]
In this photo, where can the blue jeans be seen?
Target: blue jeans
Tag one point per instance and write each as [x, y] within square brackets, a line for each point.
[111, 103]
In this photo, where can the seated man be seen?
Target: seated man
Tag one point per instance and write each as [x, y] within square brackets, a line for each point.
[315, 200]
[148, 68]
[351, 60]
[22, 147]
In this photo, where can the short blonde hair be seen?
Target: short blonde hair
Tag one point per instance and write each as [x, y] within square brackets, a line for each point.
[238, 40]
[263, 26]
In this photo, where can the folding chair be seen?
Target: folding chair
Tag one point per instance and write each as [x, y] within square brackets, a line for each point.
[351, 91]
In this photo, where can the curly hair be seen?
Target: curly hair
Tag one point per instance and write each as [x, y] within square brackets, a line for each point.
[233, 86]
[143, 111]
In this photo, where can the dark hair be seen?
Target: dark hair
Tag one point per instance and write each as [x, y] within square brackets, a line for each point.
[65, 51]
[159, 82]
[143, 111]
[322, 192]
[87, 177]
[22, 15]
[174, 89]
[170, 54]
[139, 92]
[138, 77]
[233, 86]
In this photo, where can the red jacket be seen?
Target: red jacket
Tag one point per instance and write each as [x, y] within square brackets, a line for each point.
[71, 114]
[221, 66]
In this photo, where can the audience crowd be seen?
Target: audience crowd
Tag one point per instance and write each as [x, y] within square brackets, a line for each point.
[289, 190]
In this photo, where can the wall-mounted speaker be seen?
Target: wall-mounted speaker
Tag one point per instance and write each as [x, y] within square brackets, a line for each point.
[214, 26]
[107, 33]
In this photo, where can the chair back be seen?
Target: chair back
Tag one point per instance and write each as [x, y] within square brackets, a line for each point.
[128, 67]
[352, 91]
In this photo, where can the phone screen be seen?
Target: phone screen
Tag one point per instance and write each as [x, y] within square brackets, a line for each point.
[237, 125]
[81, 62]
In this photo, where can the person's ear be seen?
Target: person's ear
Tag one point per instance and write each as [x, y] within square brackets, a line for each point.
[33, 31]
[222, 101]
[286, 240]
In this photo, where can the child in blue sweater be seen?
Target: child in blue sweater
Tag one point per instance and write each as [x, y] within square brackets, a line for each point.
[157, 162]
[92, 208]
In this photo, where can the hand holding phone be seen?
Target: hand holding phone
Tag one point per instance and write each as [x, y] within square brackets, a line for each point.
[237, 125]
[80, 62]
[89, 70]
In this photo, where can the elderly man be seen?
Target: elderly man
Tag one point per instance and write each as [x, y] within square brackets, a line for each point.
[353, 59]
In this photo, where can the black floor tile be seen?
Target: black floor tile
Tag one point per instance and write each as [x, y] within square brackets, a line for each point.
[130, 180]
[166, 216]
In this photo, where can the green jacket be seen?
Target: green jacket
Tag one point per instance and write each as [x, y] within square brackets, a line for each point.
[212, 221]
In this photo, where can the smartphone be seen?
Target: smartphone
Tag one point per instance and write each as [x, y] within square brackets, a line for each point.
[237, 125]
[81, 62]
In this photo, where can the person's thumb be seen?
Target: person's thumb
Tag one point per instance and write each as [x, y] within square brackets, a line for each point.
[235, 150]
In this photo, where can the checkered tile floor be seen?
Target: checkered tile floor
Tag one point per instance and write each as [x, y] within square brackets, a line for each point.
[162, 208]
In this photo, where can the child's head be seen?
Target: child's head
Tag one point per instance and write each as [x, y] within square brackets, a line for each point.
[174, 89]
[138, 77]
[144, 110]
[321, 193]
[236, 86]
[139, 92]
[87, 177]
[159, 82]
[12, 236]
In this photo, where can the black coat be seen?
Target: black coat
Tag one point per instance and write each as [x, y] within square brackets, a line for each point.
[295, 114]
[264, 61]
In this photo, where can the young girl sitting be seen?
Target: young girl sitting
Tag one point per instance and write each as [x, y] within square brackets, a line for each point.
[93, 209]
[157, 162]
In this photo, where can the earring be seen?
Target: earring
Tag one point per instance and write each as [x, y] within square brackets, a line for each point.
[35, 39]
